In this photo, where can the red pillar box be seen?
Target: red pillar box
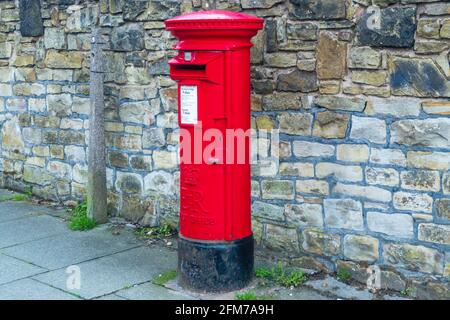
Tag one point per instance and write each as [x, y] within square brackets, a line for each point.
[212, 69]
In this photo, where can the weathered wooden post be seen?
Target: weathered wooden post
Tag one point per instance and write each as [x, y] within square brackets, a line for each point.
[97, 192]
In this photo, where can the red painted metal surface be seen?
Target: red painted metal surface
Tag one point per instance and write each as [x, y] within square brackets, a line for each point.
[212, 69]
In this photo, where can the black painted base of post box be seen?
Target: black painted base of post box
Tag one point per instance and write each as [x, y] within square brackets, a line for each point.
[209, 266]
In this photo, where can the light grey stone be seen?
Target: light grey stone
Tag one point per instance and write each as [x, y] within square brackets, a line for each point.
[361, 248]
[415, 258]
[370, 129]
[367, 192]
[395, 107]
[422, 180]
[304, 215]
[418, 202]
[267, 211]
[388, 157]
[54, 38]
[339, 172]
[435, 233]
[340, 103]
[332, 286]
[160, 181]
[304, 149]
[382, 176]
[398, 225]
[343, 214]
[315, 240]
[427, 133]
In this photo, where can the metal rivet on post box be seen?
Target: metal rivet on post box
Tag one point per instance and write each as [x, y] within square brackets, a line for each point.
[212, 68]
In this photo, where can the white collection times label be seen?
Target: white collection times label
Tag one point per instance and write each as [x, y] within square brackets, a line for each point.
[189, 104]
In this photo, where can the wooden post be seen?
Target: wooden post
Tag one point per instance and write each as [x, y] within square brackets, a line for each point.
[97, 191]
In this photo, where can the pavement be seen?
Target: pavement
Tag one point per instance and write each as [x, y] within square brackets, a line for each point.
[42, 259]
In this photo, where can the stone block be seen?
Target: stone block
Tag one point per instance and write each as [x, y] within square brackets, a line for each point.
[382, 176]
[435, 233]
[340, 103]
[392, 224]
[390, 32]
[364, 58]
[313, 187]
[317, 9]
[353, 152]
[413, 202]
[367, 192]
[295, 123]
[443, 208]
[361, 248]
[31, 24]
[305, 149]
[428, 160]
[268, 211]
[331, 125]
[316, 241]
[415, 258]
[426, 133]
[304, 215]
[277, 189]
[418, 78]
[129, 37]
[281, 239]
[343, 214]
[370, 129]
[331, 57]
[62, 60]
[421, 180]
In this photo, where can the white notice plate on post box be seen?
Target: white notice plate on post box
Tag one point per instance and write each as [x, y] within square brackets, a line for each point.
[189, 104]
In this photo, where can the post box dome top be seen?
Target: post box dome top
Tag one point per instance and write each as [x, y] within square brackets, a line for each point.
[214, 19]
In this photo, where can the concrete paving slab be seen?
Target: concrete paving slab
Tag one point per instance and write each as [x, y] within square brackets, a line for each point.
[106, 275]
[387, 297]
[29, 289]
[110, 297]
[301, 293]
[150, 291]
[73, 247]
[339, 289]
[33, 228]
[14, 210]
[12, 269]
[6, 194]
[175, 286]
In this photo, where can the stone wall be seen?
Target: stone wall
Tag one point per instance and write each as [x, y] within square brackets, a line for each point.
[360, 95]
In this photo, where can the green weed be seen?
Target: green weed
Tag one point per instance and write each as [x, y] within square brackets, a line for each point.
[163, 231]
[80, 220]
[19, 197]
[163, 278]
[283, 277]
[406, 292]
[250, 295]
[343, 274]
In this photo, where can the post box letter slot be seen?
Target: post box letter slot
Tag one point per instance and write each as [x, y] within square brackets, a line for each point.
[189, 70]
[200, 67]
